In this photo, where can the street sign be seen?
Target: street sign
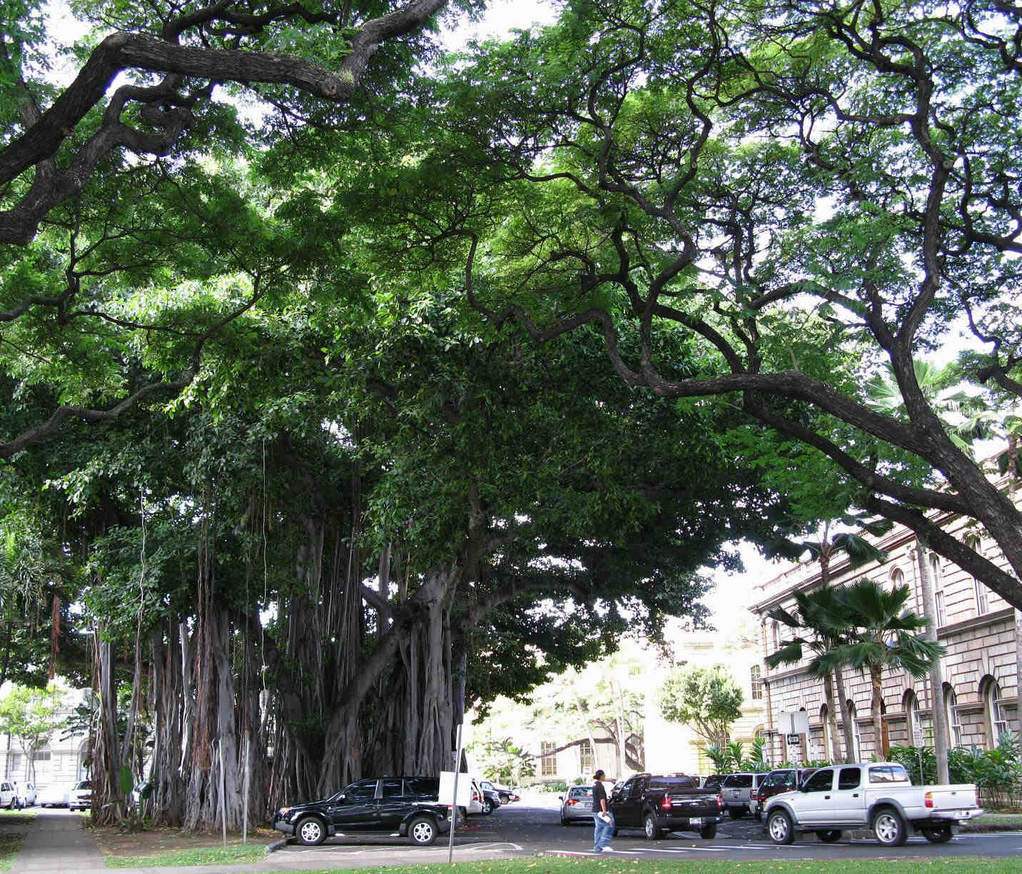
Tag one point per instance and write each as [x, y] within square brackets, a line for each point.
[794, 739]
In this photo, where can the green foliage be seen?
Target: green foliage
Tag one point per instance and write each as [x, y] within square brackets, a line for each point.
[30, 717]
[997, 772]
[707, 699]
[502, 761]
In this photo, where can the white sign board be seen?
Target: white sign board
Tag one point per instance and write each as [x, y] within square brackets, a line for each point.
[793, 722]
[447, 788]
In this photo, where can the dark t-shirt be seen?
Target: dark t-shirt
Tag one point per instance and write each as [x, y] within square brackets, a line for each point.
[599, 795]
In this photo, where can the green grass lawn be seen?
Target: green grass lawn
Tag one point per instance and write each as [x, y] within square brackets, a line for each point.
[10, 845]
[555, 865]
[231, 855]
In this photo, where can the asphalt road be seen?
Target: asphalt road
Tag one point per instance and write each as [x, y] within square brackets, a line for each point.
[533, 826]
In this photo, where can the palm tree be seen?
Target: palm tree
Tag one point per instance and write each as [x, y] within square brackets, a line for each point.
[878, 632]
[817, 618]
[816, 629]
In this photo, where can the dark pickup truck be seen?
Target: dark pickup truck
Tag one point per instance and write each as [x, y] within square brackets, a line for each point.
[661, 804]
[406, 805]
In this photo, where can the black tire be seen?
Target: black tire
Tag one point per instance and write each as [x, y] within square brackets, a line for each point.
[708, 832]
[650, 829]
[613, 834]
[937, 834]
[780, 827]
[828, 836]
[422, 830]
[889, 828]
[487, 807]
[13, 804]
[311, 831]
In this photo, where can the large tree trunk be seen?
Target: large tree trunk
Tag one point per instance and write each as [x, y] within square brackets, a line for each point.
[107, 803]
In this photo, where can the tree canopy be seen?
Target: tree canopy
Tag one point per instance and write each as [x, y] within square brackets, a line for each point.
[345, 403]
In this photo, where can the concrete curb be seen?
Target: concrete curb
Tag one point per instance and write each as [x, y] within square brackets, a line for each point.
[276, 845]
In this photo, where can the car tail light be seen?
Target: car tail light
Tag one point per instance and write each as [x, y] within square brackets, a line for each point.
[928, 799]
[666, 803]
[571, 802]
[475, 796]
[720, 802]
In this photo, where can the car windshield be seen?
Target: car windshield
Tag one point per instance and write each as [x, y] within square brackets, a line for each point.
[84, 784]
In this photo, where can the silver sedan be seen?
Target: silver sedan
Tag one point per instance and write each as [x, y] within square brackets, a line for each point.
[577, 804]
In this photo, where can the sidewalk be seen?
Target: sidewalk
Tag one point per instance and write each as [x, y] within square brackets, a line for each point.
[56, 843]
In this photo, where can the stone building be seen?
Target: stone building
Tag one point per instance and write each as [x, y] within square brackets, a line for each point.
[976, 627]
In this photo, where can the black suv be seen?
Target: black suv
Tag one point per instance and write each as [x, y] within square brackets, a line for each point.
[407, 805]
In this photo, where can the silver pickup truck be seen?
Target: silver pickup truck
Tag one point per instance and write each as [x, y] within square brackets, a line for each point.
[874, 795]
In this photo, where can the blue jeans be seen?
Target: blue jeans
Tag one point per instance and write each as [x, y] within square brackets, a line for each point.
[602, 832]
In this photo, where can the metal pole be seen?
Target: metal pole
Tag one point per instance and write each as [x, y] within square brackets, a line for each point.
[223, 792]
[244, 811]
[454, 805]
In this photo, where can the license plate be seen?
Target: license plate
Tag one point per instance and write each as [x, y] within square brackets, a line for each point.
[696, 820]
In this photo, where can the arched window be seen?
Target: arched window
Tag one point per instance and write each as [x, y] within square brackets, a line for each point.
[756, 682]
[897, 578]
[856, 740]
[993, 711]
[913, 725]
[954, 718]
[825, 722]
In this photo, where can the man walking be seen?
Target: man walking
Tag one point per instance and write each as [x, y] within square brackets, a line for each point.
[603, 819]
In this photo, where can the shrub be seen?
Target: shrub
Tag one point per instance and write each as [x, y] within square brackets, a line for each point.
[997, 773]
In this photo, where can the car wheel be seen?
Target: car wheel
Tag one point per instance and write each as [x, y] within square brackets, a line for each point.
[650, 829]
[422, 831]
[613, 834]
[780, 828]
[938, 834]
[310, 831]
[707, 832]
[487, 807]
[889, 827]
[828, 836]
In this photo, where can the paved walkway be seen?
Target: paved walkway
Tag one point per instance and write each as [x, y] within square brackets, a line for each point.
[57, 844]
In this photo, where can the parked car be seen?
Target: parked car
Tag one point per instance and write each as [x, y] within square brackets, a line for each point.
[27, 793]
[577, 805]
[774, 783]
[507, 793]
[712, 782]
[491, 800]
[737, 789]
[502, 792]
[874, 795]
[8, 795]
[80, 796]
[54, 796]
[405, 805]
[661, 804]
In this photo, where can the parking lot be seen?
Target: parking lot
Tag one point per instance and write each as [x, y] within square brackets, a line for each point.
[532, 826]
